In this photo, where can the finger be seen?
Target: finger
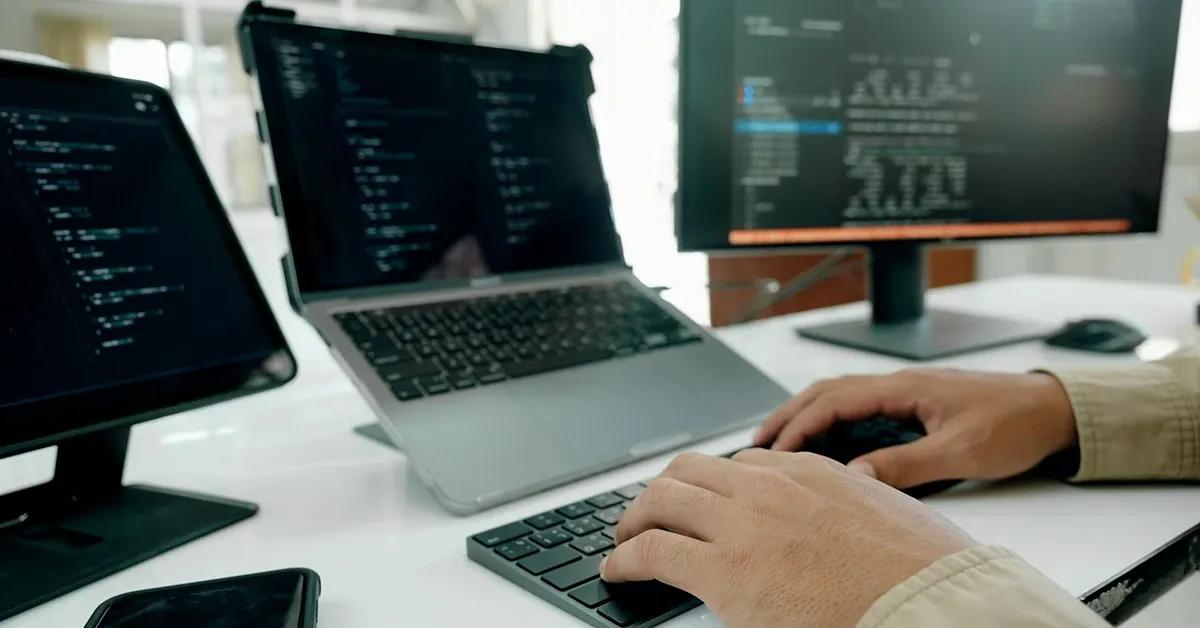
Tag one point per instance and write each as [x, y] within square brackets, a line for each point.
[890, 396]
[919, 462]
[670, 558]
[779, 418]
[669, 504]
[707, 472]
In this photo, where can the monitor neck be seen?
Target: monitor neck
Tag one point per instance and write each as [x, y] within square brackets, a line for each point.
[87, 468]
[898, 282]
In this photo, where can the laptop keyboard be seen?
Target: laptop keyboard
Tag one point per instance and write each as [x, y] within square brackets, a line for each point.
[429, 350]
[556, 556]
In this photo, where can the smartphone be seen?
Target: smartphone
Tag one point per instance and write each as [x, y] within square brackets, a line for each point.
[275, 599]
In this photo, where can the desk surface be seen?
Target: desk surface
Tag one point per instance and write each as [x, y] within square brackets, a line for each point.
[389, 556]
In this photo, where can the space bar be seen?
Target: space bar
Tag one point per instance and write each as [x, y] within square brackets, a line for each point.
[557, 363]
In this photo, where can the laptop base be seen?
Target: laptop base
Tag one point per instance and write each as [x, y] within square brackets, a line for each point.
[374, 432]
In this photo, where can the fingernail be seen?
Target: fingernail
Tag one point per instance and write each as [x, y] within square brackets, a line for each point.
[863, 467]
[603, 564]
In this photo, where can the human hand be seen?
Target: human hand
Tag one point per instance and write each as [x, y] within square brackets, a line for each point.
[777, 539]
[980, 426]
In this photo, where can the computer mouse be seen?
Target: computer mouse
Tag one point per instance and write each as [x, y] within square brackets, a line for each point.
[1098, 336]
[848, 440]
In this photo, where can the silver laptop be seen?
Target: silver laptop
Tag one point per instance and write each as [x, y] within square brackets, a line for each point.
[452, 241]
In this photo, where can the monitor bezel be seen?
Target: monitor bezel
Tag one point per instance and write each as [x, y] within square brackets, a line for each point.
[44, 422]
[255, 30]
[706, 144]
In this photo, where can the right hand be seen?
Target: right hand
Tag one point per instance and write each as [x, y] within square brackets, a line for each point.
[980, 426]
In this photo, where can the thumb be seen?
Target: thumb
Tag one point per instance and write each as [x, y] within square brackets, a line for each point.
[905, 466]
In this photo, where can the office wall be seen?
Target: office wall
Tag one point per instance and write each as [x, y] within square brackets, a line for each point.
[17, 31]
[1158, 259]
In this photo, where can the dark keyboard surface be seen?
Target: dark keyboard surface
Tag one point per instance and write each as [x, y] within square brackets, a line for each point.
[429, 350]
[556, 556]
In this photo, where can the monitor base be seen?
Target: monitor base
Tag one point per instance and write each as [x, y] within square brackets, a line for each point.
[54, 554]
[937, 334]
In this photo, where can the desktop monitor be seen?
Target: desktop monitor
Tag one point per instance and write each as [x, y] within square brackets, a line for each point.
[126, 298]
[893, 124]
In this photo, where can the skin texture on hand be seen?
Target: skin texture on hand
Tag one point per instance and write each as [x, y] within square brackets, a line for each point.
[980, 426]
[777, 539]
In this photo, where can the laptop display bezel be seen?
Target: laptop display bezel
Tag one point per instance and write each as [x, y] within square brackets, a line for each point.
[255, 41]
[27, 426]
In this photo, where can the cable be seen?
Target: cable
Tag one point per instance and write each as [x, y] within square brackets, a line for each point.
[831, 266]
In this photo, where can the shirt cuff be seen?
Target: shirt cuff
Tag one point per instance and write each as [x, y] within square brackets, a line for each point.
[1133, 424]
[982, 587]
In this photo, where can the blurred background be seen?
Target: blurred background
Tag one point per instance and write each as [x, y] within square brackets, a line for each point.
[188, 47]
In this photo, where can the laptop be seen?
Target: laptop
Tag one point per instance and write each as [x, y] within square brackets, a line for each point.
[452, 240]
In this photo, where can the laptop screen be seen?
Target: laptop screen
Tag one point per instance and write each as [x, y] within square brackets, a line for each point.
[403, 161]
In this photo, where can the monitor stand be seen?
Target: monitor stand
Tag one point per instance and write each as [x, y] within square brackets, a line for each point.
[85, 524]
[901, 327]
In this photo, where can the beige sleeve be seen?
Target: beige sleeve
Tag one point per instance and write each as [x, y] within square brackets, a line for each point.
[983, 587]
[1140, 423]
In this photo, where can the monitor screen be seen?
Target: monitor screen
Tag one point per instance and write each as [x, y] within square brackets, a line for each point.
[403, 160]
[856, 121]
[122, 273]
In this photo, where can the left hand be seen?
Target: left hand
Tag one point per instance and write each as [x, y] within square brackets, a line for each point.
[777, 539]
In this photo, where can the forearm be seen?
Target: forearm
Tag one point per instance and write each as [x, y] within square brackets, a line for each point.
[983, 587]
[1141, 423]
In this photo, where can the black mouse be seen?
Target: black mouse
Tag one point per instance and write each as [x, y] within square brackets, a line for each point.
[1098, 336]
[848, 440]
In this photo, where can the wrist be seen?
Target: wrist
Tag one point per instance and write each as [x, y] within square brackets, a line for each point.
[1054, 409]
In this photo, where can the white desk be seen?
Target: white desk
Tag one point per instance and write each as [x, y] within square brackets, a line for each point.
[389, 556]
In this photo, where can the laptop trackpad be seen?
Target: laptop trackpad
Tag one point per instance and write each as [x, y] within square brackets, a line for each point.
[608, 411]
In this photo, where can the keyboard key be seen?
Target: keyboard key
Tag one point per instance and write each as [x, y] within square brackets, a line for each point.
[551, 538]
[606, 500]
[503, 534]
[576, 510]
[405, 391]
[592, 594]
[574, 574]
[544, 520]
[631, 491]
[592, 544]
[463, 383]
[408, 370]
[610, 516]
[388, 358]
[435, 386]
[610, 532]
[583, 527]
[516, 550]
[655, 341]
[492, 378]
[633, 603]
[539, 564]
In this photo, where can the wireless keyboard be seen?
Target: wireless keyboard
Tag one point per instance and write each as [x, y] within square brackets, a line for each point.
[556, 556]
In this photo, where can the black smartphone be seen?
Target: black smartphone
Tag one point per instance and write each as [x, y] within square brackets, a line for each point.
[275, 599]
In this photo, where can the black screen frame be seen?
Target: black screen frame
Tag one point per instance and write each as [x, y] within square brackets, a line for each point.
[43, 422]
[309, 589]
[255, 30]
[706, 69]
